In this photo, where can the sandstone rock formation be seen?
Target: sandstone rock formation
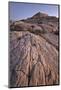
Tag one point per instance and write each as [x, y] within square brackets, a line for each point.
[34, 52]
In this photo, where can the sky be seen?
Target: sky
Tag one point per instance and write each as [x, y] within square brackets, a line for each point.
[18, 11]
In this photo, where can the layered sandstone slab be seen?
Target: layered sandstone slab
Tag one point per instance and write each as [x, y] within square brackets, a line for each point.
[33, 60]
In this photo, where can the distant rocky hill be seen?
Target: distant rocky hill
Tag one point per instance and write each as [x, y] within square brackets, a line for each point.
[42, 18]
[34, 51]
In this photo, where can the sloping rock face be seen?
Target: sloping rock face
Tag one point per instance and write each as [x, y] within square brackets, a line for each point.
[33, 55]
[33, 61]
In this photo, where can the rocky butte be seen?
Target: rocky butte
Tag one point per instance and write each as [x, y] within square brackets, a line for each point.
[34, 51]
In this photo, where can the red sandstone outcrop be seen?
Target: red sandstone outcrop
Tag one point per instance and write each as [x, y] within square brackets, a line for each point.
[34, 52]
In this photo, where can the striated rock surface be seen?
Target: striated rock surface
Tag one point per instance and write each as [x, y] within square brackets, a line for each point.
[34, 54]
